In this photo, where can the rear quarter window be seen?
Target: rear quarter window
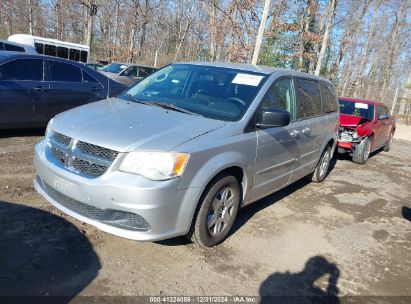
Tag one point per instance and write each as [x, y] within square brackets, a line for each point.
[88, 78]
[14, 48]
[308, 98]
[60, 71]
[329, 100]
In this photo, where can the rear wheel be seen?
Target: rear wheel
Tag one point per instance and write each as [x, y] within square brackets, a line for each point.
[321, 170]
[217, 211]
[388, 144]
[362, 151]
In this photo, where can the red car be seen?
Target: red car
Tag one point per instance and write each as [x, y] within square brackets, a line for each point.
[365, 126]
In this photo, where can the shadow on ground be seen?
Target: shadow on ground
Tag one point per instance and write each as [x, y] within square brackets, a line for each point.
[246, 213]
[43, 254]
[406, 213]
[347, 157]
[299, 287]
[22, 132]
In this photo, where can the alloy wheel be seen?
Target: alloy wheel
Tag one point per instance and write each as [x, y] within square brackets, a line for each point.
[221, 211]
[324, 163]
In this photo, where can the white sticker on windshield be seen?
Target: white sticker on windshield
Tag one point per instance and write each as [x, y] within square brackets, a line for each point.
[247, 79]
[360, 105]
[122, 66]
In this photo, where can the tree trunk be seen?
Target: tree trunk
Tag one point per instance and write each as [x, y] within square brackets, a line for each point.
[59, 20]
[361, 67]
[307, 18]
[89, 30]
[116, 28]
[30, 16]
[131, 45]
[328, 27]
[182, 39]
[350, 34]
[158, 49]
[401, 19]
[260, 34]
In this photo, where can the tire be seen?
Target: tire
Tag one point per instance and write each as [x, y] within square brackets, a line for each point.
[321, 169]
[388, 144]
[219, 205]
[362, 151]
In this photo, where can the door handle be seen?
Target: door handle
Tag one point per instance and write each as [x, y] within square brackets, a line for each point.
[306, 131]
[295, 133]
[40, 89]
[95, 89]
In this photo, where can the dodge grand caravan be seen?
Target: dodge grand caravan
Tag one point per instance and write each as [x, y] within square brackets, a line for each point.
[181, 151]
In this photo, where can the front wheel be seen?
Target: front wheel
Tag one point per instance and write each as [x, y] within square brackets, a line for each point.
[362, 151]
[321, 170]
[217, 211]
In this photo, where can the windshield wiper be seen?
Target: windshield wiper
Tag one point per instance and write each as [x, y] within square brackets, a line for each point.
[133, 99]
[163, 105]
[173, 107]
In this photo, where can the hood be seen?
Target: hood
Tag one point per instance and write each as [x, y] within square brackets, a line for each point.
[351, 121]
[126, 126]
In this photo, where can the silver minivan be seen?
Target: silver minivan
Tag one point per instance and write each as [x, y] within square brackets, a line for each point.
[180, 152]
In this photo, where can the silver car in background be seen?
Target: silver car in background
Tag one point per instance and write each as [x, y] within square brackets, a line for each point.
[181, 151]
[126, 73]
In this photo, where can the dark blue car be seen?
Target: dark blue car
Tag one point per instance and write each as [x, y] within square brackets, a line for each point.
[34, 88]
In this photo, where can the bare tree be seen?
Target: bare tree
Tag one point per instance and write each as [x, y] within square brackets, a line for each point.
[328, 26]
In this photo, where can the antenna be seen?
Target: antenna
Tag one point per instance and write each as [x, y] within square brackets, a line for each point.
[108, 87]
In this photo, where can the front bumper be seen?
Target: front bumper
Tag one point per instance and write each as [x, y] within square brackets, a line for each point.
[157, 208]
[346, 146]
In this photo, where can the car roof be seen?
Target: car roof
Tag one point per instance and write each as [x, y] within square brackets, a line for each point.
[29, 49]
[133, 64]
[6, 55]
[350, 99]
[254, 68]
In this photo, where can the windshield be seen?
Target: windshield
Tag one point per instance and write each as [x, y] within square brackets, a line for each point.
[213, 92]
[357, 109]
[113, 68]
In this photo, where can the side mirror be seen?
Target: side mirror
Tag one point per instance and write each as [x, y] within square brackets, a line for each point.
[273, 118]
[383, 117]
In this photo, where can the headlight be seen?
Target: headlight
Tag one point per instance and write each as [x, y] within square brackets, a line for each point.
[155, 165]
[48, 129]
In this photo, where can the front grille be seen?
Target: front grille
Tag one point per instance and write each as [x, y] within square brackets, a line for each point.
[80, 157]
[57, 154]
[62, 139]
[96, 150]
[88, 168]
[127, 220]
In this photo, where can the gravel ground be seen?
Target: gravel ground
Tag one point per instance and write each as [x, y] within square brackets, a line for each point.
[348, 236]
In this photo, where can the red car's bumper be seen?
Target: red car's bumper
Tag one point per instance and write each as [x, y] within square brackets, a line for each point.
[345, 145]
